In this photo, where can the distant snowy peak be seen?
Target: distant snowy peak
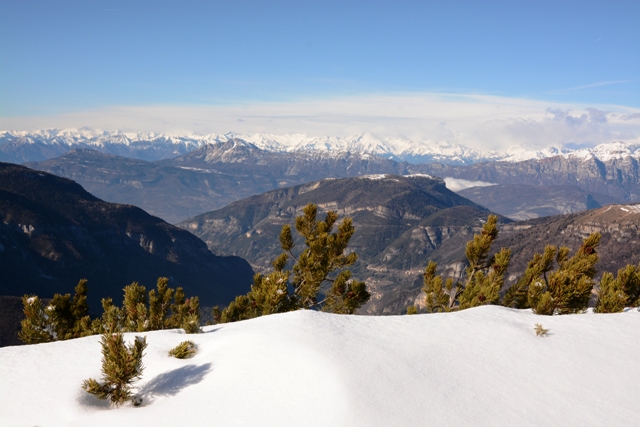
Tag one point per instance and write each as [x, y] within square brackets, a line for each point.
[152, 146]
[606, 152]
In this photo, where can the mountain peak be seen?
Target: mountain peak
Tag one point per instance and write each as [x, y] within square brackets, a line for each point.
[49, 143]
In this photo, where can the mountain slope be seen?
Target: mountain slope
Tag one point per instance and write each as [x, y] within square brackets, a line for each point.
[618, 224]
[615, 177]
[54, 233]
[399, 221]
[205, 179]
[619, 246]
[172, 193]
[479, 367]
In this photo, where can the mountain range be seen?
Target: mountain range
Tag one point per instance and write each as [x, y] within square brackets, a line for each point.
[22, 146]
[403, 222]
[219, 173]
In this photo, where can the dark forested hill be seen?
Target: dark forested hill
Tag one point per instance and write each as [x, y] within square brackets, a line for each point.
[54, 233]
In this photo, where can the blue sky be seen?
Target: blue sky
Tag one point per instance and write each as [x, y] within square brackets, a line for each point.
[63, 58]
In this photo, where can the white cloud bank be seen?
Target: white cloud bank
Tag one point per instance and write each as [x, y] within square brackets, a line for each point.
[456, 184]
[476, 121]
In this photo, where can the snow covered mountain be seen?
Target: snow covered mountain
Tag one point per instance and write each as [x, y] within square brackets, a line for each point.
[22, 146]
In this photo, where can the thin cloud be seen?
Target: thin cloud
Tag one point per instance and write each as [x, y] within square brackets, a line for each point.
[592, 85]
[473, 120]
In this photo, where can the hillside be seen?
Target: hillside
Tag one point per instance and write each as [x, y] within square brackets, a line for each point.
[207, 178]
[400, 221]
[479, 367]
[171, 193]
[615, 176]
[618, 224]
[54, 233]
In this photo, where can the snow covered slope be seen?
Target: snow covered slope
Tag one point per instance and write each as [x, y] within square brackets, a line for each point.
[21, 146]
[480, 367]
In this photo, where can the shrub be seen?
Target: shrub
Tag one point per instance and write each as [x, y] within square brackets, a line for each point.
[484, 275]
[617, 293]
[540, 331]
[62, 319]
[121, 367]
[285, 290]
[184, 350]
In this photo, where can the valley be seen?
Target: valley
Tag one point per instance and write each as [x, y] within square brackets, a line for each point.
[404, 213]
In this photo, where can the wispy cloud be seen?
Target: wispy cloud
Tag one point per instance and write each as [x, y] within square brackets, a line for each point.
[477, 121]
[592, 85]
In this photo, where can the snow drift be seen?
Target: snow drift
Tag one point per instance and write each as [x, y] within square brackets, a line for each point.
[482, 366]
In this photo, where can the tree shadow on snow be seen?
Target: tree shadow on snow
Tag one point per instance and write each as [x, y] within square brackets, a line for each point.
[89, 401]
[172, 382]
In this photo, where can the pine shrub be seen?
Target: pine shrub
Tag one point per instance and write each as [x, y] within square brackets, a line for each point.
[121, 367]
[62, 319]
[301, 287]
[617, 293]
[36, 327]
[184, 350]
[484, 275]
[567, 289]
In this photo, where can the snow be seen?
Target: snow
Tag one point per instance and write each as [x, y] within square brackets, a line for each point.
[630, 208]
[374, 177]
[411, 150]
[419, 175]
[483, 367]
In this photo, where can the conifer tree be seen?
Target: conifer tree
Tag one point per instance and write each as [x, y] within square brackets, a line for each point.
[160, 304]
[567, 289]
[325, 254]
[36, 327]
[62, 319]
[185, 312]
[135, 308]
[484, 275]
[242, 308]
[191, 322]
[121, 367]
[436, 296]
[617, 293]
[541, 264]
[113, 318]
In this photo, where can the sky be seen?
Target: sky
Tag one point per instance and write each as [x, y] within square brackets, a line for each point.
[436, 70]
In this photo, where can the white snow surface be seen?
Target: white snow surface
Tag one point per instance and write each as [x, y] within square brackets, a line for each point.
[478, 367]
[412, 150]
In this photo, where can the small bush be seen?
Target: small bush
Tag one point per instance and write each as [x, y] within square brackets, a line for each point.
[540, 331]
[184, 350]
[121, 367]
[412, 309]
